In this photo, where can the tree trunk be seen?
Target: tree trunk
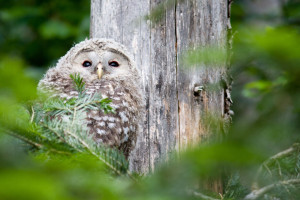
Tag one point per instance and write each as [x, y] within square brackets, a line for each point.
[174, 111]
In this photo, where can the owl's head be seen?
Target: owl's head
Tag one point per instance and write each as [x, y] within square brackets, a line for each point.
[97, 59]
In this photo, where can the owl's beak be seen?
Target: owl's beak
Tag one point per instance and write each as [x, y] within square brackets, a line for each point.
[99, 70]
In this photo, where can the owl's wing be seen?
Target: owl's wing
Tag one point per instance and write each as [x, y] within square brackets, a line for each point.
[53, 84]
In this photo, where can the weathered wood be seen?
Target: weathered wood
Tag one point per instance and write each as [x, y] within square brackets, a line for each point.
[199, 23]
[173, 120]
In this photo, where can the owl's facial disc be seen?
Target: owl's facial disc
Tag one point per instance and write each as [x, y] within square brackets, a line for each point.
[106, 63]
[115, 64]
[85, 63]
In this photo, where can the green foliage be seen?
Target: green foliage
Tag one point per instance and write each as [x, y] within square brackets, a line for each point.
[234, 189]
[258, 157]
[60, 121]
[12, 77]
[84, 100]
[39, 32]
[78, 83]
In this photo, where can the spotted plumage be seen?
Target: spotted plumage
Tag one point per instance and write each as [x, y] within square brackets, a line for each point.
[105, 67]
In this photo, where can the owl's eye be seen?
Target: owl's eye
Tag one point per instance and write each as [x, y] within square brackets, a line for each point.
[113, 64]
[86, 63]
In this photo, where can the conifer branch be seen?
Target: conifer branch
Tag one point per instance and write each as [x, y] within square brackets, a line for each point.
[53, 131]
[255, 194]
[58, 123]
[24, 139]
[31, 142]
[93, 153]
[78, 83]
[203, 196]
[287, 152]
[32, 115]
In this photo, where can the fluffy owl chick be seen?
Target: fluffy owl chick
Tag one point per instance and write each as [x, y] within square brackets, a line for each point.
[105, 67]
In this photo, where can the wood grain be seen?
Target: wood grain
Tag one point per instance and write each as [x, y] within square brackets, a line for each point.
[174, 113]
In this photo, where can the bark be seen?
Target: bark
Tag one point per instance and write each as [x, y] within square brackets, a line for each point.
[175, 112]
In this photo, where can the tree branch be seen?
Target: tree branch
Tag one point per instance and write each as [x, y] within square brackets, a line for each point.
[277, 156]
[200, 195]
[30, 142]
[98, 156]
[258, 193]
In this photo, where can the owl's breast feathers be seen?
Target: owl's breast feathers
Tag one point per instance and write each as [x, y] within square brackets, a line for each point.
[117, 129]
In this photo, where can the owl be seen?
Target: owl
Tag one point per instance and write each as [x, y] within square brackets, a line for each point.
[106, 68]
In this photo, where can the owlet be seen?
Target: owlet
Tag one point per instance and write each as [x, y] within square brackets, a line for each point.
[106, 68]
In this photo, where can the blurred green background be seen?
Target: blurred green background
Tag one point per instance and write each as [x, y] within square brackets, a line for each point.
[265, 68]
[38, 32]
